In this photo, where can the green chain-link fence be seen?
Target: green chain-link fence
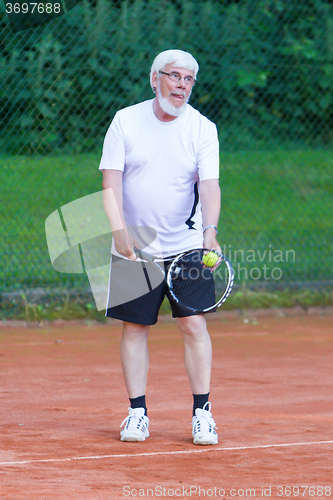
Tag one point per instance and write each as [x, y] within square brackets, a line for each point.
[265, 79]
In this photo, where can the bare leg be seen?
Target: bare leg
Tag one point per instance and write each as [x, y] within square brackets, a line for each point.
[197, 352]
[135, 358]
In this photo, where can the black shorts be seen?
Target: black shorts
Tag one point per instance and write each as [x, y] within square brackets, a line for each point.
[136, 292]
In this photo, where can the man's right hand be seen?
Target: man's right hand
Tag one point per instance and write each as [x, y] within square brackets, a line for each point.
[124, 243]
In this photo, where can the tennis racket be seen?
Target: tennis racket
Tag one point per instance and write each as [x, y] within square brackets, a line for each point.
[191, 283]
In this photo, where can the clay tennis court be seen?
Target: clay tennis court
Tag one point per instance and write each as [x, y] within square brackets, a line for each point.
[63, 399]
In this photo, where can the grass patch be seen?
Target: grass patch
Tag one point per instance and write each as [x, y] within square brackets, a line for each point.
[245, 298]
[81, 306]
[272, 203]
[249, 299]
[50, 306]
[280, 202]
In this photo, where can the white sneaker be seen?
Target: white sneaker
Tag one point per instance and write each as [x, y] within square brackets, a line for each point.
[203, 426]
[136, 428]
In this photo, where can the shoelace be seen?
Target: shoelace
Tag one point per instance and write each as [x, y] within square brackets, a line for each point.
[129, 417]
[207, 416]
[209, 419]
[125, 420]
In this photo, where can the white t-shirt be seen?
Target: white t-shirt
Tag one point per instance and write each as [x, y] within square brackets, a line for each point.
[162, 163]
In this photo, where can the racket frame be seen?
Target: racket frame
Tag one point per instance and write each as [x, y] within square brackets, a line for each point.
[167, 276]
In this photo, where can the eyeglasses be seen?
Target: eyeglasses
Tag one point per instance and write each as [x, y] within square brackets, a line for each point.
[176, 77]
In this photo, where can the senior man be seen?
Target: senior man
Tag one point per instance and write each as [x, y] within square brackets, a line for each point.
[160, 161]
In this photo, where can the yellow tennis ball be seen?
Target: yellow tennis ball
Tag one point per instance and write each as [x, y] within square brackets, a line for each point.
[210, 259]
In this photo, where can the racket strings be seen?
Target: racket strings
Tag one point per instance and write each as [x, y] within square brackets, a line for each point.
[195, 285]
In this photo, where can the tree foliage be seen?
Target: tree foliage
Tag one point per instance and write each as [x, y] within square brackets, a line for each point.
[266, 73]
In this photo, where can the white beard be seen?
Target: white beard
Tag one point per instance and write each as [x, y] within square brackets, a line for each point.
[167, 106]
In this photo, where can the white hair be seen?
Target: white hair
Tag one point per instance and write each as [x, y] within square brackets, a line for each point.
[179, 58]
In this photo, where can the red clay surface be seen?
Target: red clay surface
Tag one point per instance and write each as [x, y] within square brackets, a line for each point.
[63, 399]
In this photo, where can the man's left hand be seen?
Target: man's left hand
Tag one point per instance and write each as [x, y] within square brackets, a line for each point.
[210, 243]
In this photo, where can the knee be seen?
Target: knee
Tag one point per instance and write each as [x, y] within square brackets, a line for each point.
[133, 331]
[193, 326]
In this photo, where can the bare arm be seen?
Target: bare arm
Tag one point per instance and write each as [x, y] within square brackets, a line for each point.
[210, 197]
[113, 204]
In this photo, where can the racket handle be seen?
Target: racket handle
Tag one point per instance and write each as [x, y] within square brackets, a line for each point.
[143, 255]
